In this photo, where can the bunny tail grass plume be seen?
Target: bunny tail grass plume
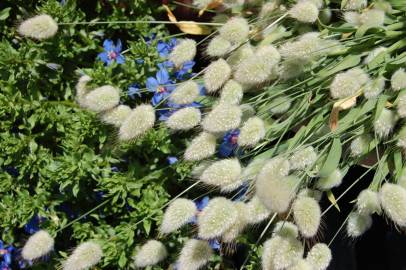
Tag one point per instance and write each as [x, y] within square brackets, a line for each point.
[231, 93]
[224, 174]
[256, 211]
[319, 256]
[84, 256]
[216, 218]
[235, 30]
[385, 123]
[102, 98]
[352, 18]
[373, 88]
[38, 27]
[401, 106]
[303, 159]
[284, 252]
[194, 255]
[374, 53]
[358, 224]
[222, 118]
[235, 230]
[140, 120]
[178, 213]
[239, 55]
[258, 68]
[301, 265]
[304, 11]
[251, 132]
[360, 145]
[402, 138]
[38, 245]
[81, 90]
[216, 74]
[368, 202]
[348, 83]
[286, 229]
[117, 115]
[312, 193]
[372, 17]
[307, 215]
[202, 3]
[185, 93]
[398, 79]
[184, 119]
[393, 202]
[151, 253]
[218, 47]
[184, 51]
[280, 104]
[331, 181]
[353, 4]
[201, 147]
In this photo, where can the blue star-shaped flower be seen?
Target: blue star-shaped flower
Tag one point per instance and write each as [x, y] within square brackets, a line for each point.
[172, 160]
[165, 48]
[33, 225]
[111, 52]
[160, 85]
[229, 145]
[185, 71]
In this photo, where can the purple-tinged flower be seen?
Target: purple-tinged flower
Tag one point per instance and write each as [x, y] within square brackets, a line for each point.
[133, 91]
[111, 52]
[185, 69]
[166, 65]
[160, 85]
[165, 48]
[229, 145]
[172, 160]
[33, 224]
[5, 256]
[202, 203]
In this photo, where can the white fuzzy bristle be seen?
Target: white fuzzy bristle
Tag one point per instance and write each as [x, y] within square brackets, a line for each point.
[303, 159]
[102, 98]
[319, 256]
[84, 256]
[235, 230]
[330, 181]
[39, 244]
[373, 88]
[286, 229]
[231, 93]
[385, 123]
[307, 215]
[251, 132]
[185, 93]
[393, 202]
[82, 90]
[184, 119]
[201, 147]
[194, 255]
[304, 11]
[39, 27]
[222, 118]
[235, 30]
[256, 211]
[218, 47]
[138, 122]
[216, 74]
[398, 79]
[151, 253]
[116, 116]
[360, 145]
[184, 51]
[368, 202]
[178, 213]
[224, 174]
[358, 224]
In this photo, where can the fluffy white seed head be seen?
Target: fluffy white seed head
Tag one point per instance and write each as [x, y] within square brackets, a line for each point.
[84, 256]
[346, 84]
[309, 46]
[235, 30]
[194, 255]
[184, 51]
[82, 90]
[280, 105]
[202, 3]
[281, 252]
[331, 181]
[239, 225]
[385, 123]
[178, 213]
[401, 106]
[292, 68]
[353, 4]
[38, 27]
[140, 120]
[251, 132]
[269, 53]
[216, 218]
[216, 74]
[393, 202]
[151, 253]
[360, 145]
[184, 119]
[319, 256]
[358, 224]
[302, 159]
[301, 265]
[286, 229]
[102, 98]
[307, 215]
[38, 245]
[368, 202]
[304, 11]
[352, 18]
[231, 93]
[373, 88]
[256, 211]
[239, 55]
[201, 147]
[374, 53]
[398, 79]
[218, 47]
[116, 116]
[222, 118]
[251, 171]
[313, 193]
[185, 93]
[224, 174]
[402, 138]
[372, 17]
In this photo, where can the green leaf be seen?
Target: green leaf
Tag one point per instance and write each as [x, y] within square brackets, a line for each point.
[348, 62]
[123, 259]
[4, 14]
[333, 158]
[380, 105]
[332, 199]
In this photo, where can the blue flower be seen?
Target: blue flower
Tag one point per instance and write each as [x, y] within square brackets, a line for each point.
[164, 114]
[134, 90]
[166, 65]
[229, 145]
[185, 69]
[33, 225]
[5, 256]
[111, 52]
[165, 48]
[215, 244]
[172, 160]
[202, 203]
[160, 85]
